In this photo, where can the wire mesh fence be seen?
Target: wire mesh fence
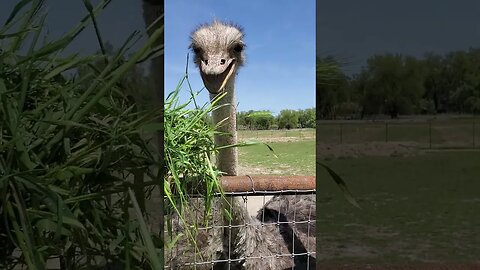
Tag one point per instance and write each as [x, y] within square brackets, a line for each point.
[260, 224]
[300, 133]
[424, 132]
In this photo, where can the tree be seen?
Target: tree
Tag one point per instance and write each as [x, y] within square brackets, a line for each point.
[436, 91]
[261, 119]
[393, 82]
[242, 121]
[332, 87]
[255, 119]
[307, 118]
[287, 119]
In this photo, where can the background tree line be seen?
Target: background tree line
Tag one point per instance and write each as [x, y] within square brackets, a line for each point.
[286, 119]
[396, 84]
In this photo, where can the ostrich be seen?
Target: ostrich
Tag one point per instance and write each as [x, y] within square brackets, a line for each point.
[219, 53]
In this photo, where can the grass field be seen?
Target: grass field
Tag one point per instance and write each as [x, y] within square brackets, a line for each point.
[415, 208]
[418, 205]
[295, 151]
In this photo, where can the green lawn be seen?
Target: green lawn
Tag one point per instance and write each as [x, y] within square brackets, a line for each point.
[421, 208]
[294, 157]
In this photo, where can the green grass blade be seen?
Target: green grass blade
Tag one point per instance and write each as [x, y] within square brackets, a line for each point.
[153, 256]
[339, 181]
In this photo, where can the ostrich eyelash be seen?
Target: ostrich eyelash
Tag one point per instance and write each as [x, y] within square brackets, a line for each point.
[238, 47]
[196, 50]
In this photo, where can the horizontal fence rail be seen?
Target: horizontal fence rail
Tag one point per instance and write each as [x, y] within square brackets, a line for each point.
[264, 184]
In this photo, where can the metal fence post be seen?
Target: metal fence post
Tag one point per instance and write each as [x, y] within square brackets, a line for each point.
[430, 133]
[473, 130]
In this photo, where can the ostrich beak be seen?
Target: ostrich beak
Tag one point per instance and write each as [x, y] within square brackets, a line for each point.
[215, 74]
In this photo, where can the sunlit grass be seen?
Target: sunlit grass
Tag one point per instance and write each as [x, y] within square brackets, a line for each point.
[188, 146]
[292, 158]
[416, 208]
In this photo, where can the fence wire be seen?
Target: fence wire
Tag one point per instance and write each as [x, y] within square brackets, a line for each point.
[267, 230]
[422, 132]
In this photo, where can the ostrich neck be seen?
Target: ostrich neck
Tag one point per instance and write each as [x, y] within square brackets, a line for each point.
[227, 158]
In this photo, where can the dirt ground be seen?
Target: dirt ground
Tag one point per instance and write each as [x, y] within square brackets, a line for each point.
[279, 139]
[382, 149]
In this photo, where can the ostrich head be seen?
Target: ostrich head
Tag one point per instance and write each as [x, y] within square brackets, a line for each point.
[218, 54]
[218, 49]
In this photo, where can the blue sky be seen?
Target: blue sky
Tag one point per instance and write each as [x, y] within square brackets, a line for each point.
[409, 27]
[280, 35]
[116, 22]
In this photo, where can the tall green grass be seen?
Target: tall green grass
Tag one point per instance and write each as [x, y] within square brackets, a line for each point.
[189, 150]
[68, 144]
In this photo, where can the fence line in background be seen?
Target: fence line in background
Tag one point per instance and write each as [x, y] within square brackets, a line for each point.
[300, 132]
[431, 133]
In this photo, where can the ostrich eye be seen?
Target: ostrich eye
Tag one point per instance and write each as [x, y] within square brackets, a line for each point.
[196, 50]
[238, 48]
